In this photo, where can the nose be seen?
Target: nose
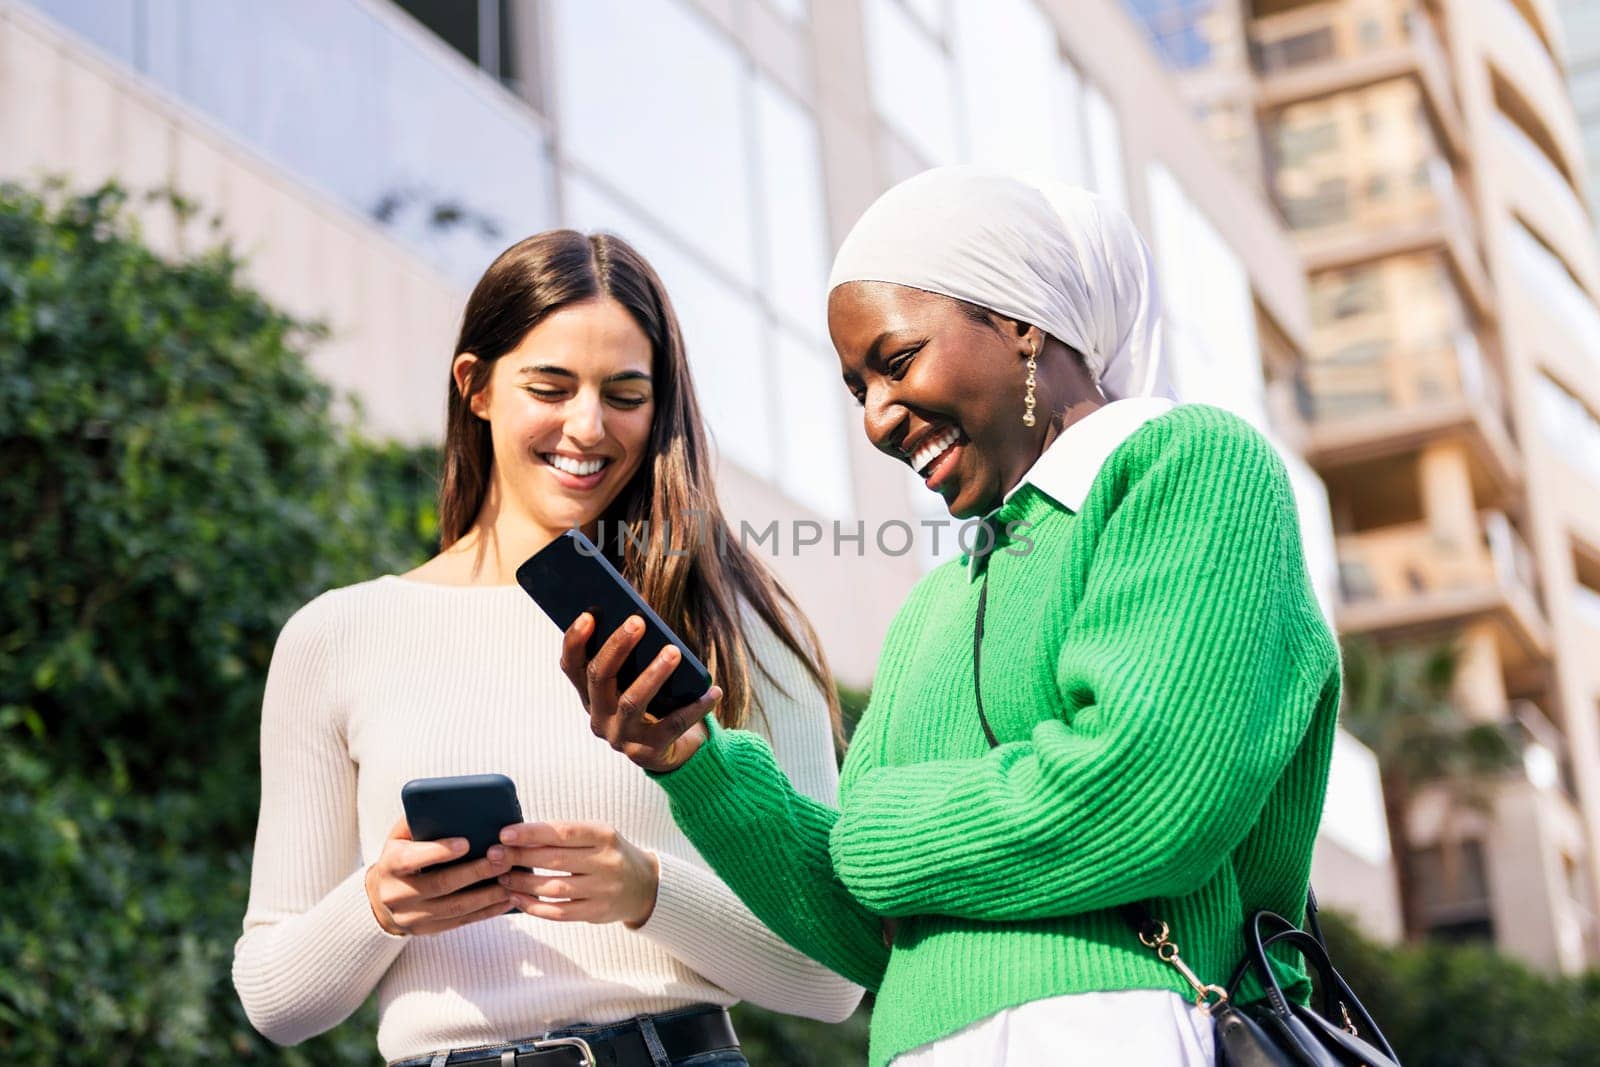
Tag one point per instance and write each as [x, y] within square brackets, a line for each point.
[585, 424]
[883, 419]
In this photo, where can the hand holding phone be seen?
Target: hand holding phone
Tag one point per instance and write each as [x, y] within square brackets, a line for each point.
[658, 745]
[570, 577]
[434, 873]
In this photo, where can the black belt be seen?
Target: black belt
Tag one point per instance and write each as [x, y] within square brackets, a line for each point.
[681, 1036]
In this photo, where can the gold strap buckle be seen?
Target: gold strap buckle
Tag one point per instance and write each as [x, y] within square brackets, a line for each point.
[1207, 998]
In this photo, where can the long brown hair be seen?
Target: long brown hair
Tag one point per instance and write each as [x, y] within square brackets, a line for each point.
[698, 587]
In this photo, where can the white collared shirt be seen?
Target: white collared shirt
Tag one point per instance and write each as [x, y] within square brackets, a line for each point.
[1145, 1026]
[1065, 471]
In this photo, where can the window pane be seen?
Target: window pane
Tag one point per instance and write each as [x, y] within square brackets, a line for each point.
[813, 427]
[722, 330]
[111, 27]
[931, 13]
[1546, 279]
[1105, 148]
[400, 129]
[793, 10]
[1570, 429]
[1005, 51]
[1209, 309]
[1069, 146]
[795, 234]
[911, 81]
[678, 150]
[470, 178]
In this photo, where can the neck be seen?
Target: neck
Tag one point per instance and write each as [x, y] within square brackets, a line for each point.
[500, 541]
[1073, 412]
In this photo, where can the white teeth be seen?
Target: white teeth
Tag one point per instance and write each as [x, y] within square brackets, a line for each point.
[934, 449]
[580, 467]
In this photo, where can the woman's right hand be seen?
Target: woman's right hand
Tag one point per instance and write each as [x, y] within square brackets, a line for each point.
[406, 899]
[620, 719]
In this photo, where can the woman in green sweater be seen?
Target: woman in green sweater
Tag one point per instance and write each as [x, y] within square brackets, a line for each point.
[1125, 696]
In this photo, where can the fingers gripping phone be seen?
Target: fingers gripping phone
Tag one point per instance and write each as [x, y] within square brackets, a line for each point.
[570, 576]
[473, 806]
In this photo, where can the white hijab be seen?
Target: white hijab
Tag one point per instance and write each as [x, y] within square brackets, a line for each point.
[1038, 251]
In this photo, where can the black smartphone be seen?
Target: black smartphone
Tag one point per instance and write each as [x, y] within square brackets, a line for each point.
[570, 576]
[474, 806]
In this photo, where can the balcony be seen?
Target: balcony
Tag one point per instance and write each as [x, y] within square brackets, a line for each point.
[1373, 400]
[1507, 871]
[1320, 48]
[1343, 222]
[1546, 762]
[1410, 577]
[1318, 33]
[1586, 606]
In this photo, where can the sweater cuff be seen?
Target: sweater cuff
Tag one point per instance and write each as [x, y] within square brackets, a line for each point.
[678, 920]
[706, 778]
[336, 949]
[358, 935]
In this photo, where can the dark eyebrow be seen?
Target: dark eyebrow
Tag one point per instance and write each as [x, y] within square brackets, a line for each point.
[874, 355]
[562, 372]
[875, 349]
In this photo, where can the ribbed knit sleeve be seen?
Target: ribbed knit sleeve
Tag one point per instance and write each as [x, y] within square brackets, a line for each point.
[1174, 720]
[769, 843]
[699, 919]
[312, 950]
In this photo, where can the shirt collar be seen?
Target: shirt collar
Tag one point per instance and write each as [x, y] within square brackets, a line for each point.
[1066, 470]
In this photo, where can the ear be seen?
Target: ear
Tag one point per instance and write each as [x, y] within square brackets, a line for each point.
[1028, 338]
[462, 370]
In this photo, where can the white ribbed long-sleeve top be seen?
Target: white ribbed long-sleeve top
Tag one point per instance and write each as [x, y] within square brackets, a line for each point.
[393, 679]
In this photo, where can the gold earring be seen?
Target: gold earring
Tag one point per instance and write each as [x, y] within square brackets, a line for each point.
[1027, 415]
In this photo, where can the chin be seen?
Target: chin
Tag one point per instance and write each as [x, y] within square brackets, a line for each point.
[962, 511]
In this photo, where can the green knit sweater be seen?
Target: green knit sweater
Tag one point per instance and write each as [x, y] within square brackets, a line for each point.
[1164, 690]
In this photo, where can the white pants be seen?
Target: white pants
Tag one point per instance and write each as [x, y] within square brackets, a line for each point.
[1137, 1027]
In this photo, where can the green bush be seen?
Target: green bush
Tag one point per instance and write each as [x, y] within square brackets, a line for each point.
[1446, 1005]
[175, 484]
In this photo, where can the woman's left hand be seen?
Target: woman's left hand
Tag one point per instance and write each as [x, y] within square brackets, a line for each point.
[604, 879]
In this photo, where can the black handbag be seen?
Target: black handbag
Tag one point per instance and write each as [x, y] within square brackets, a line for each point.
[1275, 1032]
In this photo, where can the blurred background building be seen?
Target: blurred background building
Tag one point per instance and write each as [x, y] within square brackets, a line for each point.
[1580, 20]
[371, 157]
[1428, 160]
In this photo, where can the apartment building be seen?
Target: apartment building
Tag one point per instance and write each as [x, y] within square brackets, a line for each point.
[371, 157]
[1427, 159]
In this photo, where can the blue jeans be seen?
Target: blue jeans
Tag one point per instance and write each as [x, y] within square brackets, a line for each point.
[722, 1057]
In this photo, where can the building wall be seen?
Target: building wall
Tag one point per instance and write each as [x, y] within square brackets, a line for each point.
[1580, 33]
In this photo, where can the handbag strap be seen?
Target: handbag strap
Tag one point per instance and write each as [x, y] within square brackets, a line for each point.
[1157, 936]
[1152, 932]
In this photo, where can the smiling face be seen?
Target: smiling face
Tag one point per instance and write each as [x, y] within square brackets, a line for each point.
[941, 389]
[569, 412]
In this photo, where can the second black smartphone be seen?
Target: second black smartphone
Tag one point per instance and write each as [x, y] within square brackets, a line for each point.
[474, 806]
[570, 576]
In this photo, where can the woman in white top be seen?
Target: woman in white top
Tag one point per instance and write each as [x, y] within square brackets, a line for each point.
[570, 406]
